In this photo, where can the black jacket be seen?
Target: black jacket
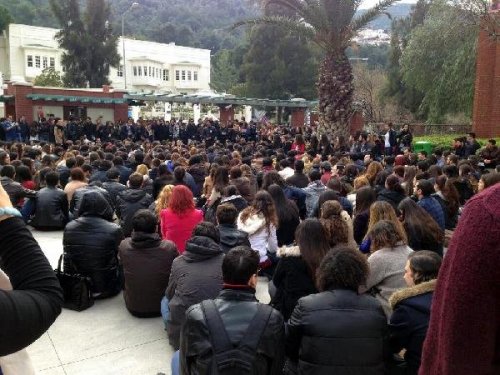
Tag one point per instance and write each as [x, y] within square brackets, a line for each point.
[292, 280]
[231, 236]
[196, 276]
[113, 188]
[36, 301]
[160, 182]
[410, 320]
[338, 332]
[198, 171]
[74, 206]
[51, 210]
[237, 307]
[128, 203]
[286, 230]
[16, 191]
[299, 180]
[91, 245]
[391, 196]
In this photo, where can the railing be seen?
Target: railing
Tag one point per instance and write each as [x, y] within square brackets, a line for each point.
[424, 129]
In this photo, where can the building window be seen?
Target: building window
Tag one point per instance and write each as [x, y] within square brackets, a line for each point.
[119, 71]
[139, 69]
[135, 71]
[45, 62]
[189, 75]
[157, 72]
[145, 71]
[150, 71]
[183, 75]
[195, 76]
[52, 62]
[177, 75]
[30, 61]
[165, 74]
[37, 61]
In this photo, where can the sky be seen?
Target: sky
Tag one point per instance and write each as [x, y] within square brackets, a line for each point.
[370, 3]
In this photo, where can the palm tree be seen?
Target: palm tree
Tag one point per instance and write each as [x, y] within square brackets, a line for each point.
[331, 24]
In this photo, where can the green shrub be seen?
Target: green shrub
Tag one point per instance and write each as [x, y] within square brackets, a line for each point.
[445, 142]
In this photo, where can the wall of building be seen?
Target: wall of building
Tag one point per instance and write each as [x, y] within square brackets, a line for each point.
[45, 110]
[107, 114]
[28, 49]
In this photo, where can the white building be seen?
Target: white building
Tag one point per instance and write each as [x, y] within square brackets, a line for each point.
[150, 67]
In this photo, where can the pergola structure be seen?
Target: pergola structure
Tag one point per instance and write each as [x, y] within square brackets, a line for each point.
[226, 103]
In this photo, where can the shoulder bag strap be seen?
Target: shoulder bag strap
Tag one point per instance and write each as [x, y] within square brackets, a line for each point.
[216, 329]
[59, 262]
[256, 327]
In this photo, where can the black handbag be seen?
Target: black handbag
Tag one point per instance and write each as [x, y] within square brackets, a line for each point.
[76, 289]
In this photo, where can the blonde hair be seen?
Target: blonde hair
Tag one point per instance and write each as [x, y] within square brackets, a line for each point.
[142, 169]
[371, 172]
[163, 199]
[381, 210]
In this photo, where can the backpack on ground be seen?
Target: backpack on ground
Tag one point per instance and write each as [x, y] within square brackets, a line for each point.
[229, 359]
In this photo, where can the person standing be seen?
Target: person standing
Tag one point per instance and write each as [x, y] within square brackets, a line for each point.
[389, 139]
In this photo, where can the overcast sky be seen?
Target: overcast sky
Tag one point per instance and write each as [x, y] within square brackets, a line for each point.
[370, 3]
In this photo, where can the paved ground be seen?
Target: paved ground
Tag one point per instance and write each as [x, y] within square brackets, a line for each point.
[104, 339]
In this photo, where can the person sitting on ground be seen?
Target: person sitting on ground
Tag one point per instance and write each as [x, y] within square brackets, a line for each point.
[251, 327]
[288, 216]
[295, 273]
[393, 192]
[14, 189]
[179, 219]
[298, 179]
[412, 307]
[113, 186]
[313, 191]
[51, 207]
[487, 180]
[146, 261]
[335, 224]
[130, 201]
[164, 178]
[326, 330]
[260, 222]
[77, 181]
[423, 190]
[91, 244]
[230, 235]
[387, 261]
[196, 275]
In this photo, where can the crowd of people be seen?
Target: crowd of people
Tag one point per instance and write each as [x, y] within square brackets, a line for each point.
[183, 218]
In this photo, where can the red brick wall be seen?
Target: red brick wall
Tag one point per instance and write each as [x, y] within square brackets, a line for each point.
[298, 117]
[357, 123]
[226, 114]
[486, 112]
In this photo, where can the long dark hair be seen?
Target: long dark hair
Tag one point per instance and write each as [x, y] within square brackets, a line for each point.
[221, 179]
[364, 199]
[262, 204]
[450, 193]
[422, 223]
[313, 243]
[392, 183]
[285, 209]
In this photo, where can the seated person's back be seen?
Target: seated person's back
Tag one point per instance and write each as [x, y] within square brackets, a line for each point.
[230, 235]
[51, 209]
[147, 261]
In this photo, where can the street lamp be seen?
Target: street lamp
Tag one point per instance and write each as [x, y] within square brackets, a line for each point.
[133, 6]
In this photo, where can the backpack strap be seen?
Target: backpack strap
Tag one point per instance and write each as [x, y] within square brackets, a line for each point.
[216, 329]
[256, 328]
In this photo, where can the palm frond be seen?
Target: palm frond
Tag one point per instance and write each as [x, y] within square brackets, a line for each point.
[290, 24]
[369, 15]
[308, 10]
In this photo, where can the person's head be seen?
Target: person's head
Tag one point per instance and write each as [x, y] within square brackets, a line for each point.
[181, 200]
[487, 180]
[422, 155]
[4, 158]
[373, 169]
[221, 179]
[471, 137]
[112, 174]
[179, 173]
[207, 229]
[235, 172]
[360, 181]
[392, 183]
[314, 175]
[335, 226]
[385, 234]
[52, 179]
[365, 198]
[420, 221]
[312, 240]
[381, 210]
[23, 173]
[8, 171]
[490, 145]
[240, 267]
[299, 166]
[342, 268]
[423, 188]
[263, 204]
[144, 221]
[422, 266]
[226, 214]
[163, 199]
[142, 169]
[135, 180]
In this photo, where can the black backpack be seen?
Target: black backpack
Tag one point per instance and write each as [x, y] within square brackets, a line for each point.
[229, 359]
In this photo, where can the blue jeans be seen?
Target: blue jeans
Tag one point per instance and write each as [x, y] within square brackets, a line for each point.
[175, 364]
[28, 209]
[165, 312]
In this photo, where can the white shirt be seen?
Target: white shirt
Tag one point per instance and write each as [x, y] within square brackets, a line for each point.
[386, 136]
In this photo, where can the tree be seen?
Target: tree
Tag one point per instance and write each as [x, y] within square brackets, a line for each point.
[224, 73]
[440, 61]
[5, 18]
[49, 78]
[90, 48]
[330, 24]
